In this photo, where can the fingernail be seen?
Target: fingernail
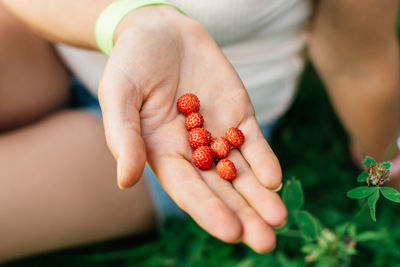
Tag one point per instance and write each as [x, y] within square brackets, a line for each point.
[119, 174]
[120, 186]
[278, 188]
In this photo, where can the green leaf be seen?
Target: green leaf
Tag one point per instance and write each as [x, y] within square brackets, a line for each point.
[362, 177]
[247, 262]
[371, 236]
[351, 251]
[283, 229]
[368, 160]
[352, 230]
[361, 192]
[281, 259]
[391, 194]
[310, 248]
[307, 224]
[386, 164]
[292, 195]
[372, 204]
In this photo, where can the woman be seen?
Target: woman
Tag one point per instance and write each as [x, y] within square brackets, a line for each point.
[158, 54]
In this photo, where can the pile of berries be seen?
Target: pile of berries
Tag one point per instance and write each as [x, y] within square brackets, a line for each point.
[206, 148]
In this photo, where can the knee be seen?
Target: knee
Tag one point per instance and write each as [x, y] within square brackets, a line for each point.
[33, 81]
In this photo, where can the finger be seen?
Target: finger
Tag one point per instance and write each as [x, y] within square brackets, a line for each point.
[181, 181]
[259, 155]
[120, 105]
[266, 202]
[256, 233]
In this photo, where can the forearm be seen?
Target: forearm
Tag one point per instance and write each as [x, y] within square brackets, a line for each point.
[360, 68]
[368, 103]
[73, 22]
[65, 21]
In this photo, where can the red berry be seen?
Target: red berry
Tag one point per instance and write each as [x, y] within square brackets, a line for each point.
[194, 120]
[220, 146]
[199, 137]
[203, 157]
[235, 137]
[187, 104]
[226, 169]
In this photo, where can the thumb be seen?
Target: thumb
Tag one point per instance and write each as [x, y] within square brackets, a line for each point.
[120, 104]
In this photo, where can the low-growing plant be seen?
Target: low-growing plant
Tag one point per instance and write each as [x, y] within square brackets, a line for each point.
[323, 246]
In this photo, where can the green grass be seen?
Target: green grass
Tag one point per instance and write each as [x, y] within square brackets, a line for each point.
[311, 146]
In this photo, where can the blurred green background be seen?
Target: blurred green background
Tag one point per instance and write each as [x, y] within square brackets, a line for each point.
[312, 147]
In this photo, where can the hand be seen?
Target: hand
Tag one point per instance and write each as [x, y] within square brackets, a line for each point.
[158, 56]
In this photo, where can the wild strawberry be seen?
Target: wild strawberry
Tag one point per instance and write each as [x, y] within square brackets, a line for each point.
[220, 146]
[235, 137]
[199, 137]
[194, 120]
[187, 104]
[226, 169]
[202, 157]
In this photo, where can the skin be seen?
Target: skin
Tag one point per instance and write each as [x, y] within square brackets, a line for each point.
[138, 103]
[243, 210]
[240, 208]
[57, 189]
[18, 76]
[358, 60]
[50, 197]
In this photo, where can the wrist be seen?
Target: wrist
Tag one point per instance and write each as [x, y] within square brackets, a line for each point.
[151, 18]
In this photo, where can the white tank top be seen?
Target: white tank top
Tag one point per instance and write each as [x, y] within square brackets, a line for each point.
[263, 39]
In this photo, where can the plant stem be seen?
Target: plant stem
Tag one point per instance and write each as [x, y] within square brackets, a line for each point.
[355, 217]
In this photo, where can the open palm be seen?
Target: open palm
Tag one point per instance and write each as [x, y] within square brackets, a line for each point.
[148, 70]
